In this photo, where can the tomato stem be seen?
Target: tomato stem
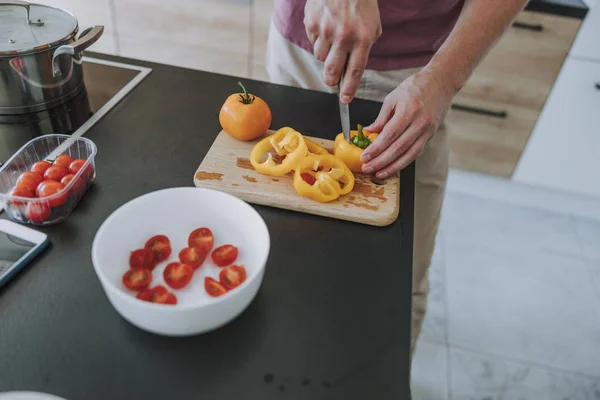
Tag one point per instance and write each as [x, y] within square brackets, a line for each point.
[246, 98]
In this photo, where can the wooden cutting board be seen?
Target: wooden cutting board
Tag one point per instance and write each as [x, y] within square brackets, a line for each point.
[227, 168]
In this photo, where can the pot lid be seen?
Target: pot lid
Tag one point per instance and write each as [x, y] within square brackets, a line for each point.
[26, 27]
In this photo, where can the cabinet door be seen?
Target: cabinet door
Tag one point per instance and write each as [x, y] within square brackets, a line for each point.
[496, 110]
[564, 149]
[586, 45]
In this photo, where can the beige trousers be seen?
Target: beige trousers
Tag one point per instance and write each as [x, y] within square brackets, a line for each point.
[290, 65]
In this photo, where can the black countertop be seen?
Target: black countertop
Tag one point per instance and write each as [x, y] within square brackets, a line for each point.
[566, 8]
[331, 321]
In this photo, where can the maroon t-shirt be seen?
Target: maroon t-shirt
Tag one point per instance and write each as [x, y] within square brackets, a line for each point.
[413, 30]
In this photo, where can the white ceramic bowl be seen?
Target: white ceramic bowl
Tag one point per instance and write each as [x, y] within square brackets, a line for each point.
[176, 213]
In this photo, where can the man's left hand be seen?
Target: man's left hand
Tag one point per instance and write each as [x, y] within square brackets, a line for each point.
[409, 117]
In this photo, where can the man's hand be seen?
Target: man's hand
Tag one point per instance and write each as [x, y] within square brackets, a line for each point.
[409, 117]
[339, 29]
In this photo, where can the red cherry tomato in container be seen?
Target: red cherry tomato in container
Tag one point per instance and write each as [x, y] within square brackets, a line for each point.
[137, 278]
[55, 173]
[37, 211]
[158, 294]
[40, 167]
[29, 180]
[224, 255]
[201, 238]
[21, 192]
[177, 275]
[63, 161]
[213, 287]
[192, 256]
[76, 165]
[78, 186]
[160, 246]
[50, 188]
[142, 258]
[232, 277]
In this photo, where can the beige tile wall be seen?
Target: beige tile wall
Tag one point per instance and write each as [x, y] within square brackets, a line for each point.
[223, 36]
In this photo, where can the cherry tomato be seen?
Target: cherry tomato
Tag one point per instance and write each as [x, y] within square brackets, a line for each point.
[49, 188]
[76, 165]
[78, 186]
[213, 287]
[137, 278]
[63, 161]
[192, 256]
[37, 211]
[232, 277]
[29, 180]
[201, 238]
[224, 255]
[40, 167]
[21, 192]
[158, 294]
[177, 275]
[160, 245]
[55, 173]
[142, 258]
[308, 178]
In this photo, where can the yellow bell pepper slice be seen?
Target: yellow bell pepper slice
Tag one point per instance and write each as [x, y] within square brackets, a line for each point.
[284, 149]
[350, 153]
[323, 178]
[314, 148]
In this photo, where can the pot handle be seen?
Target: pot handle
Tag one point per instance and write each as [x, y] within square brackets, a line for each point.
[27, 7]
[76, 47]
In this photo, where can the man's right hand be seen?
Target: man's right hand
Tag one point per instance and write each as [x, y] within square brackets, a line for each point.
[339, 29]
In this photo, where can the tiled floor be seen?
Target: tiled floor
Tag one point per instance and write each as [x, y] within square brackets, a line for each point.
[514, 311]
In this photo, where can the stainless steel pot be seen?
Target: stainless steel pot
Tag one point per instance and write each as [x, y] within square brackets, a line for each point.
[40, 56]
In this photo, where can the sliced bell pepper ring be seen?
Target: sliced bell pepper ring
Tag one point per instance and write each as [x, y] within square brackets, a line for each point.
[350, 153]
[314, 148]
[331, 178]
[286, 144]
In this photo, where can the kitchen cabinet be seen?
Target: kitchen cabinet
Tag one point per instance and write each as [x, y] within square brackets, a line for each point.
[586, 44]
[564, 148]
[495, 112]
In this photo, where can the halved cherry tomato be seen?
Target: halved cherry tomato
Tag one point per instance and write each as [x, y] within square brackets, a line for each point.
[21, 192]
[160, 245]
[142, 258]
[202, 238]
[224, 255]
[78, 186]
[37, 211]
[158, 294]
[63, 161]
[55, 173]
[308, 178]
[40, 167]
[49, 188]
[177, 275]
[29, 180]
[137, 278]
[232, 277]
[213, 287]
[192, 256]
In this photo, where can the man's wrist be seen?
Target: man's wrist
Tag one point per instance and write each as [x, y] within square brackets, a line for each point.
[451, 78]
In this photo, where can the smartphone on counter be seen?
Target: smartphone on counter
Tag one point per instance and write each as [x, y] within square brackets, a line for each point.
[18, 246]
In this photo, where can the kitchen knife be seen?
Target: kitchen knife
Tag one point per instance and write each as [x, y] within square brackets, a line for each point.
[344, 110]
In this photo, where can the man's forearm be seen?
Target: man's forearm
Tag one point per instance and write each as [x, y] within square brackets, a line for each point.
[479, 25]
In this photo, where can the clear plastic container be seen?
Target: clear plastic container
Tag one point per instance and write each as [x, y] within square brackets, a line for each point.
[51, 209]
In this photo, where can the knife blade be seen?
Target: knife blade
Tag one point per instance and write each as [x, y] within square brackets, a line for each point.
[344, 110]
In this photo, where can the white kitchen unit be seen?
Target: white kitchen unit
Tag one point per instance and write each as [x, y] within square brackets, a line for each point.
[587, 43]
[563, 151]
